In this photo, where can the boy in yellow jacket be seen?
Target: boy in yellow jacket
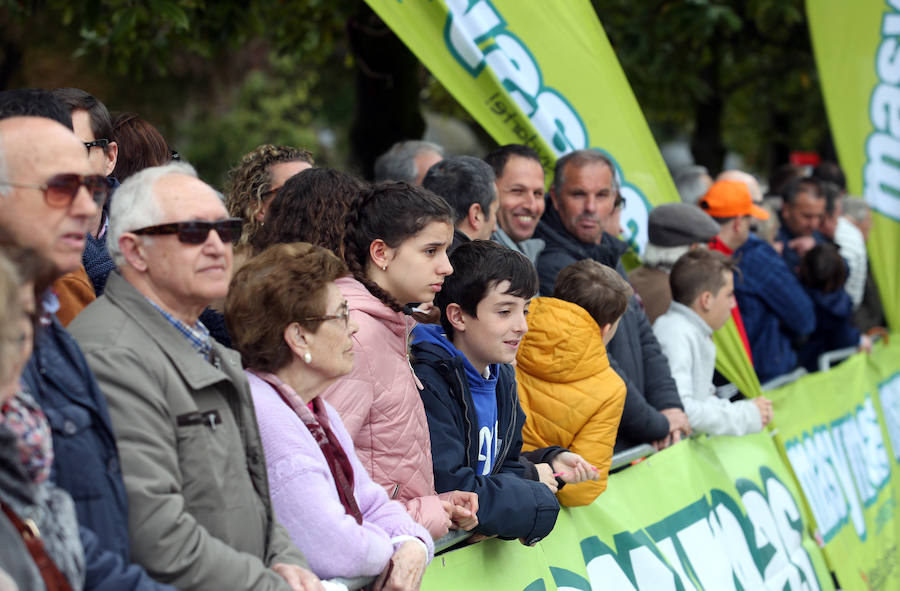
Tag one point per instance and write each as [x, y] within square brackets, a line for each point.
[570, 394]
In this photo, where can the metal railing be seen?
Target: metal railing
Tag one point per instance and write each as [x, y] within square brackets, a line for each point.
[631, 455]
[785, 379]
[829, 358]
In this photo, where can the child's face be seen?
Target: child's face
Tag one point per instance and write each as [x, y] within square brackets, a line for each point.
[494, 336]
[418, 266]
[722, 303]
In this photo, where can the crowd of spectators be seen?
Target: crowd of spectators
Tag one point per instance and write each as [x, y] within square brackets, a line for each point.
[311, 378]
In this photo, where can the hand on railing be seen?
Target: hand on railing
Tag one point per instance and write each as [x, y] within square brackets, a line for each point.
[764, 405]
[404, 570]
[462, 509]
[572, 468]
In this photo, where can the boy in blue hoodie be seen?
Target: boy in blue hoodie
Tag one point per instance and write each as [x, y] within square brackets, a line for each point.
[470, 394]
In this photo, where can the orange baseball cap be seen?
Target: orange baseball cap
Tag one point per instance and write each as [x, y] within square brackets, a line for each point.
[728, 199]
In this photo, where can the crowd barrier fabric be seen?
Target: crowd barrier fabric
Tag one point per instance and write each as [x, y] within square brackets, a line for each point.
[840, 433]
[856, 45]
[541, 74]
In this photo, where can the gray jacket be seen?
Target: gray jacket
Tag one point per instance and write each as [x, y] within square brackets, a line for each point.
[200, 516]
[530, 248]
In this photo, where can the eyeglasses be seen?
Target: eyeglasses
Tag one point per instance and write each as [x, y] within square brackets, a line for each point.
[101, 143]
[61, 189]
[196, 232]
[343, 314]
[174, 156]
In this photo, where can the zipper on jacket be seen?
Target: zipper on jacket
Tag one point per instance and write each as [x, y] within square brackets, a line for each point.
[508, 441]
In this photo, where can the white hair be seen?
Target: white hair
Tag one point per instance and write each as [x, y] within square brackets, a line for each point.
[856, 208]
[135, 205]
[663, 257]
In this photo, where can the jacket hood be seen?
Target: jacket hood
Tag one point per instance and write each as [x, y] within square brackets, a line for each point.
[433, 334]
[361, 300]
[837, 303]
[563, 343]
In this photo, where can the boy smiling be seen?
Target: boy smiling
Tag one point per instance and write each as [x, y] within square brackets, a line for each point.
[470, 392]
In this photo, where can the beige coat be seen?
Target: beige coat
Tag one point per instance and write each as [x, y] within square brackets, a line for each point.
[199, 510]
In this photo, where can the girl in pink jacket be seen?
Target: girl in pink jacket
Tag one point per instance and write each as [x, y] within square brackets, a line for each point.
[396, 247]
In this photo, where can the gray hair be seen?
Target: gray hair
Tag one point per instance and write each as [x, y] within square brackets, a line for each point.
[462, 181]
[397, 163]
[135, 205]
[856, 208]
[691, 183]
[663, 257]
[580, 158]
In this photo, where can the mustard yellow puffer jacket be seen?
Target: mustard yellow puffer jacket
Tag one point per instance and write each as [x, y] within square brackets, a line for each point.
[570, 394]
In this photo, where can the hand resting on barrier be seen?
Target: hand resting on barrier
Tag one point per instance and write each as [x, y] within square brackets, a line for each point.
[572, 468]
[404, 570]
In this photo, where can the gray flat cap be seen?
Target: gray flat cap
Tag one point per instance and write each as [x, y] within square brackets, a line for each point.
[680, 224]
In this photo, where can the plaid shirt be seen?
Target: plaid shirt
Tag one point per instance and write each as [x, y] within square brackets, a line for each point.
[197, 335]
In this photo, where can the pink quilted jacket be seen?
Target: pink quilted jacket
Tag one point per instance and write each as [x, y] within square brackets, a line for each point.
[380, 406]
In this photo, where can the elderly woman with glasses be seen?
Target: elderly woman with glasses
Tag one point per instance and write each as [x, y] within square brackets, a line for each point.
[292, 327]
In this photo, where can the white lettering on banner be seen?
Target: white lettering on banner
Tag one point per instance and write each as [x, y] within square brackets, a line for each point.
[889, 395]
[709, 545]
[881, 173]
[477, 36]
[841, 469]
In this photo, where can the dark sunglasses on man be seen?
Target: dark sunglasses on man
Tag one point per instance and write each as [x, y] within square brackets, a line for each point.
[196, 232]
[61, 189]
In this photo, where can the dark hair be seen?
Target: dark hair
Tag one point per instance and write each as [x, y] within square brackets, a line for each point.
[393, 212]
[479, 266]
[75, 98]
[832, 196]
[807, 184]
[597, 288]
[499, 157]
[578, 159]
[831, 172]
[697, 271]
[284, 284]
[823, 268]
[140, 145]
[782, 176]
[33, 102]
[311, 207]
[462, 181]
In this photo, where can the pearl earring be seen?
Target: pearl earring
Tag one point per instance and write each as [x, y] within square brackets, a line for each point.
[384, 267]
[307, 358]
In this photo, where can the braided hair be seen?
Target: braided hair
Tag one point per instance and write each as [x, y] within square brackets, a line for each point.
[392, 212]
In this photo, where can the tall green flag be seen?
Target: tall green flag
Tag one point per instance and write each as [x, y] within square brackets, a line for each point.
[857, 47]
[543, 74]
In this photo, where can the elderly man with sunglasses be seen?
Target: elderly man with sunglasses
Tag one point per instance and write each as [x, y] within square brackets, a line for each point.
[47, 199]
[200, 516]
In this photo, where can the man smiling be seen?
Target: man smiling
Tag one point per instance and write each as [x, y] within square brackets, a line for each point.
[194, 471]
[520, 188]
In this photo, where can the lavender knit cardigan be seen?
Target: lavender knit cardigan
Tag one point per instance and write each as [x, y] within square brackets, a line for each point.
[306, 501]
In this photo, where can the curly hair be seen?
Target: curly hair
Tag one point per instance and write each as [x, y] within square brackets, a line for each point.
[284, 284]
[249, 181]
[310, 207]
[393, 212]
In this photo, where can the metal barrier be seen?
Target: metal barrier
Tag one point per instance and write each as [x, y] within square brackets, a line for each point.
[631, 455]
[785, 379]
[829, 358]
[452, 538]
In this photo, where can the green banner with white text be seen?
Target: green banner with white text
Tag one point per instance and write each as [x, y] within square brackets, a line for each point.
[856, 46]
[720, 514]
[840, 432]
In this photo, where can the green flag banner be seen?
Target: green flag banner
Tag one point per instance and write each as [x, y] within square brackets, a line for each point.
[541, 74]
[732, 360]
[856, 47]
[719, 514]
[840, 433]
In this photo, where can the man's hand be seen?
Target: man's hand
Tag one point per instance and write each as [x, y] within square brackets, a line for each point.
[802, 244]
[464, 509]
[865, 344]
[679, 427]
[574, 468]
[545, 475]
[764, 405]
[404, 570]
[298, 577]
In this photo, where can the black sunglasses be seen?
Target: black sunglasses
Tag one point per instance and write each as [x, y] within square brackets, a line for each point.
[196, 232]
[96, 143]
[60, 190]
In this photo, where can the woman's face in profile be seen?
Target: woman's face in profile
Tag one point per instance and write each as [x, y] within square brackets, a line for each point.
[331, 346]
